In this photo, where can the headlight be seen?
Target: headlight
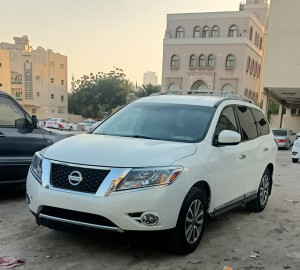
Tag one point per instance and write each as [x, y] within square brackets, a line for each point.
[148, 177]
[36, 166]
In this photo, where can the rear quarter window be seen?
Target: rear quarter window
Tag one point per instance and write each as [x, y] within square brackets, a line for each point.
[247, 123]
[261, 122]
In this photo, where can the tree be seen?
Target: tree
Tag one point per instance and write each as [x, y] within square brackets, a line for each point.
[273, 108]
[99, 93]
[147, 90]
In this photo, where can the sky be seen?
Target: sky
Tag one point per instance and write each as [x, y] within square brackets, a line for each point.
[98, 35]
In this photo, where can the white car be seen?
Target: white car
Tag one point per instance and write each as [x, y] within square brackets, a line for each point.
[159, 163]
[86, 125]
[296, 151]
[59, 124]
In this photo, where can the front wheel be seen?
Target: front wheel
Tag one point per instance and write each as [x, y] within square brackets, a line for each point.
[295, 160]
[264, 190]
[191, 222]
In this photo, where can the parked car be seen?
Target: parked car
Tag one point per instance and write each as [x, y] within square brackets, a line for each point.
[59, 123]
[86, 125]
[160, 163]
[296, 151]
[46, 119]
[298, 135]
[285, 137]
[96, 124]
[20, 138]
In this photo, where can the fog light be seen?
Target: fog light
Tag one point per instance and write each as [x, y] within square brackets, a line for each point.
[27, 198]
[149, 219]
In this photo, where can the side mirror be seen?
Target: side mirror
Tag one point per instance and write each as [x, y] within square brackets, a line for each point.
[228, 137]
[34, 121]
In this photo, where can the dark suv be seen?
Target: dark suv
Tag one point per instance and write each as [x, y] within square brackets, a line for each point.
[20, 138]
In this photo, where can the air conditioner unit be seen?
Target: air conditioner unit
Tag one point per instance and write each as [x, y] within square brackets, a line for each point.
[295, 111]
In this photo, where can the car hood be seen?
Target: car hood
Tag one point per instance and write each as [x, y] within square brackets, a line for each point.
[112, 151]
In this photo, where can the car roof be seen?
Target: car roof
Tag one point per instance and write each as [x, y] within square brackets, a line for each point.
[208, 101]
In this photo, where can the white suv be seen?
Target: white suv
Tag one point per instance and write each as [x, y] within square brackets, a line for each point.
[159, 163]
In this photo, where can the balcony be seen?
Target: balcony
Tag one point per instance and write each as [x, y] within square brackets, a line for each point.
[18, 99]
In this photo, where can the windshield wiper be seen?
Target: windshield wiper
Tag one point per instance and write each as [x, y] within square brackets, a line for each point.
[142, 137]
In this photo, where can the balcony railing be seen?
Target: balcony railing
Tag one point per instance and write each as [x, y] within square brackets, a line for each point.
[18, 99]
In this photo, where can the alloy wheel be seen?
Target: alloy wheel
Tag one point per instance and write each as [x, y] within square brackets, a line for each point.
[264, 190]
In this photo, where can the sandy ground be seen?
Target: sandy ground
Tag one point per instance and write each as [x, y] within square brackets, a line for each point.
[229, 239]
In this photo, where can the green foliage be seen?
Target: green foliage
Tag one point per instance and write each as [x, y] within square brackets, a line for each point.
[273, 108]
[99, 93]
[147, 90]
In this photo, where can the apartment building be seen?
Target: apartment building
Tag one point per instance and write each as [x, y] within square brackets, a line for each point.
[216, 51]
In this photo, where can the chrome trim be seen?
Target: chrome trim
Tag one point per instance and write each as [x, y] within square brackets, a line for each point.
[90, 225]
[80, 165]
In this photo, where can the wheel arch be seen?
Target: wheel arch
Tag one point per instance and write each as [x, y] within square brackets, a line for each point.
[205, 187]
[270, 167]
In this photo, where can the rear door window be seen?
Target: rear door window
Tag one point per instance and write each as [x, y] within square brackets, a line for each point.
[247, 123]
[261, 122]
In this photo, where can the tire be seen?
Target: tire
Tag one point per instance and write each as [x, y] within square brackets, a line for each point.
[295, 160]
[182, 239]
[59, 128]
[71, 128]
[259, 204]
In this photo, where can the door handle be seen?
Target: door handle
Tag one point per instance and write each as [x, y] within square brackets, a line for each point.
[2, 135]
[265, 149]
[243, 156]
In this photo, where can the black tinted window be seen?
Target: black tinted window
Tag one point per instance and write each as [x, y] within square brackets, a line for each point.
[247, 122]
[262, 123]
[226, 121]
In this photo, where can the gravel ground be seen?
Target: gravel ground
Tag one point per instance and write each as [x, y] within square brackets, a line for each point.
[229, 239]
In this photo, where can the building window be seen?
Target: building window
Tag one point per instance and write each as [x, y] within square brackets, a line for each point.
[260, 44]
[33, 111]
[197, 32]
[0, 84]
[180, 32]
[18, 94]
[200, 86]
[230, 61]
[256, 37]
[211, 61]
[52, 80]
[248, 64]
[52, 96]
[233, 31]
[52, 111]
[62, 82]
[173, 87]
[228, 88]
[215, 31]
[252, 67]
[51, 64]
[251, 33]
[202, 61]
[0, 64]
[193, 61]
[175, 61]
[255, 69]
[258, 71]
[205, 32]
[62, 66]
[62, 98]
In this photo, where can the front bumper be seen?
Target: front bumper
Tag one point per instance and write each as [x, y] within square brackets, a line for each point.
[296, 153]
[282, 144]
[117, 207]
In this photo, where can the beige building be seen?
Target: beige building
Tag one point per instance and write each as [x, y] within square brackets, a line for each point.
[150, 78]
[281, 80]
[37, 78]
[4, 71]
[220, 51]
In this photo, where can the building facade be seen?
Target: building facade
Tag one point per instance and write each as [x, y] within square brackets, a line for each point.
[150, 78]
[220, 51]
[281, 80]
[4, 71]
[37, 78]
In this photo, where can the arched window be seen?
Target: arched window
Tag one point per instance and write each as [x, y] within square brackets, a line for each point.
[228, 88]
[256, 37]
[173, 87]
[230, 61]
[202, 61]
[246, 92]
[180, 32]
[215, 31]
[260, 44]
[258, 71]
[197, 32]
[255, 69]
[211, 61]
[175, 61]
[200, 86]
[193, 61]
[251, 33]
[252, 67]
[248, 64]
[205, 32]
[233, 31]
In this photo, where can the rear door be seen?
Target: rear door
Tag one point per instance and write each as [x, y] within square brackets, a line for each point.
[18, 141]
[250, 149]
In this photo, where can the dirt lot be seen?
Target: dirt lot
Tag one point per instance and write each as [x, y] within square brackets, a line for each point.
[229, 239]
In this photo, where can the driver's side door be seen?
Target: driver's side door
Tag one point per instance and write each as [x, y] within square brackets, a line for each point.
[18, 141]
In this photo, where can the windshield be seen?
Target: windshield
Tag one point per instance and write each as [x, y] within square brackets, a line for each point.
[170, 122]
[53, 119]
[85, 121]
[279, 132]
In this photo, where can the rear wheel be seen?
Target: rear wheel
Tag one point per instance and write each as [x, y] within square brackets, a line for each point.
[259, 204]
[71, 128]
[295, 160]
[191, 222]
[60, 128]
